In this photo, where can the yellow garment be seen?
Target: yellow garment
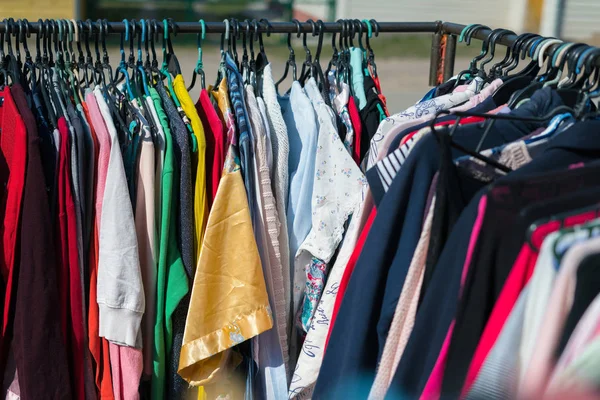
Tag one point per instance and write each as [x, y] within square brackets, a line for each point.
[200, 201]
[229, 302]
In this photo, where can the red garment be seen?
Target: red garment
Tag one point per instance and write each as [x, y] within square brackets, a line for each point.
[379, 91]
[357, 126]
[517, 279]
[13, 145]
[215, 144]
[349, 268]
[98, 346]
[463, 121]
[70, 278]
[36, 325]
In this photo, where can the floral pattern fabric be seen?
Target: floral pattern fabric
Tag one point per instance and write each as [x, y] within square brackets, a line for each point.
[420, 110]
[340, 99]
[338, 188]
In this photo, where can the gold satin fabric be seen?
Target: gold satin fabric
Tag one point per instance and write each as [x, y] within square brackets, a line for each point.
[229, 302]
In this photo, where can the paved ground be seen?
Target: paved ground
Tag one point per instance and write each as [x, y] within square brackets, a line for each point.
[403, 80]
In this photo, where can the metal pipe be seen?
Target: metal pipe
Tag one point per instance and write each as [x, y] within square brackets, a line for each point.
[449, 57]
[434, 58]
[275, 27]
[481, 34]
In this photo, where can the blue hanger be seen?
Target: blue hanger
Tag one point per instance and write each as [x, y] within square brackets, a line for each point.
[551, 129]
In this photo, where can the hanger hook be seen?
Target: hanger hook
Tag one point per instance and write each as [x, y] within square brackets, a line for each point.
[225, 35]
[131, 44]
[376, 25]
[321, 26]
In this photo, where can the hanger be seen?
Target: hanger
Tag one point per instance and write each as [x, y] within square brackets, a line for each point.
[317, 70]
[593, 70]
[172, 62]
[105, 65]
[123, 66]
[224, 37]
[342, 63]
[466, 36]
[304, 73]
[572, 61]
[370, 53]
[511, 53]
[11, 63]
[507, 117]
[253, 38]
[333, 62]
[245, 59]
[16, 32]
[261, 58]
[560, 217]
[592, 90]
[4, 74]
[29, 72]
[199, 68]
[521, 80]
[525, 94]
[155, 75]
[170, 65]
[44, 71]
[358, 24]
[71, 63]
[235, 27]
[495, 36]
[141, 78]
[291, 61]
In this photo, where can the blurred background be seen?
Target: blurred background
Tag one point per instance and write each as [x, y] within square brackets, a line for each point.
[402, 59]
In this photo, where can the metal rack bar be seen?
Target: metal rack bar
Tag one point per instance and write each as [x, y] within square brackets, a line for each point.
[273, 27]
[456, 29]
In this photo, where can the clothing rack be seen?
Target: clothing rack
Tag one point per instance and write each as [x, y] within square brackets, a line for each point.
[438, 28]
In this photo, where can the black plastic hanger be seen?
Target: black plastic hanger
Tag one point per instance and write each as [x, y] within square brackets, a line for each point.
[500, 33]
[496, 69]
[304, 73]
[172, 62]
[11, 63]
[29, 71]
[261, 58]
[493, 117]
[253, 37]
[245, 65]
[472, 69]
[233, 37]
[291, 61]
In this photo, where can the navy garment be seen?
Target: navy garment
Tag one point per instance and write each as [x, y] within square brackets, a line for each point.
[236, 94]
[438, 310]
[376, 186]
[493, 259]
[372, 294]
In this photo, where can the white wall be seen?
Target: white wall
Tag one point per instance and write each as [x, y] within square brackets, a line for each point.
[494, 13]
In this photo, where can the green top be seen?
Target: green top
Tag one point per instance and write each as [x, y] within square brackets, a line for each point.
[170, 264]
[358, 81]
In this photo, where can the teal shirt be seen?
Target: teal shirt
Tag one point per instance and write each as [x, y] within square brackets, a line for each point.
[358, 80]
